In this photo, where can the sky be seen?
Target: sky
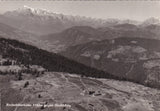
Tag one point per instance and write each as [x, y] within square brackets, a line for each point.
[136, 10]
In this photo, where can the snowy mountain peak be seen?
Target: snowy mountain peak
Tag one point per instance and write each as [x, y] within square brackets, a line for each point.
[26, 10]
[36, 11]
[27, 7]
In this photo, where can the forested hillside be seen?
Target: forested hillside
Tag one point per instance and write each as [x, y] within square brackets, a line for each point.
[30, 55]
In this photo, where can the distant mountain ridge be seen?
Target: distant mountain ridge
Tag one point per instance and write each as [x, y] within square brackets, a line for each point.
[42, 22]
[75, 35]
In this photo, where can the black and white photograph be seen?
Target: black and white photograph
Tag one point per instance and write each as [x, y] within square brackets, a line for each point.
[79, 55]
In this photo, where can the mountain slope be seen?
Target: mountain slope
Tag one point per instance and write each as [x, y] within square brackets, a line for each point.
[72, 36]
[30, 55]
[58, 91]
[22, 36]
[13, 33]
[132, 58]
[83, 34]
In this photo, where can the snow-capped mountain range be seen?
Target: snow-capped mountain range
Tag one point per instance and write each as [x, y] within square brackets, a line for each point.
[43, 22]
